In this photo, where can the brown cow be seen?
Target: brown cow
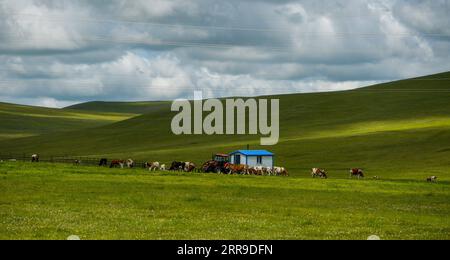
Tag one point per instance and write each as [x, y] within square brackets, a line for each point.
[236, 168]
[280, 171]
[357, 172]
[117, 163]
[317, 172]
[152, 166]
[256, 171]
[189, 167]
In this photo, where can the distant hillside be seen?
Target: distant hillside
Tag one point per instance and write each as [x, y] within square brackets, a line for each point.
[436, 82]
[403, 125]
[22, 121]
[121, 107]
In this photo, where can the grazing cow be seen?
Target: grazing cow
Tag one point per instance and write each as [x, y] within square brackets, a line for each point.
[280, 171]
[259, 170]
[117, 163]
[268, 171]
[357, 172]
[103, 162]
[35, 158]
[162, 167]
[253, 171]
[236, 169]
[77, 162]
[177, 166]
[432, 179]
[317, 172]
[130, 163]
[189, 167]
[152, 166]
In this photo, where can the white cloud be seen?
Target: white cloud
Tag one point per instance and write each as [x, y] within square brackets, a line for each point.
[149, 50]
[22, 27]
[155, 8]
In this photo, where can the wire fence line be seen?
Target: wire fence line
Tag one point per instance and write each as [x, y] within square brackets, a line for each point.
[76, 160]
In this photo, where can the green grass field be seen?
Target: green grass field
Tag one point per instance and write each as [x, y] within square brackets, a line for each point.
[398, 131]
[55, 201]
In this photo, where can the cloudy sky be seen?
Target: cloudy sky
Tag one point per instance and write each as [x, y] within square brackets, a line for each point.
[57, 53]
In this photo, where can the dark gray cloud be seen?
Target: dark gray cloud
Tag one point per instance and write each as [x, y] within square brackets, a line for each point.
[55, 53]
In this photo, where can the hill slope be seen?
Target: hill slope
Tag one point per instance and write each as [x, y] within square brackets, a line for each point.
[20, 121]
[121, 107]
[401, 127]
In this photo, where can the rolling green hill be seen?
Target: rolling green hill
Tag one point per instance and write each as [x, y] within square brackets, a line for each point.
[22, 121]
[400, 128]
[121, 107]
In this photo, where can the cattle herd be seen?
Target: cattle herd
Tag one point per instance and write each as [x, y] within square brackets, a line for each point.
[208, 167]
[221, 168]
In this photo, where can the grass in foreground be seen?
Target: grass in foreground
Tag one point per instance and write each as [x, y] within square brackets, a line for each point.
[45, 201]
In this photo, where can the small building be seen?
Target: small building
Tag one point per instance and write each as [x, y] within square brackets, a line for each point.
[253, 158]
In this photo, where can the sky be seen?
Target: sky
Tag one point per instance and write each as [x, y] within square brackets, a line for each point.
[58, 53]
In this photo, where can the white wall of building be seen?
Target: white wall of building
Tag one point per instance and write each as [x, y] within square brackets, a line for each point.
[267, 161]
[252, 161]
[233, 157]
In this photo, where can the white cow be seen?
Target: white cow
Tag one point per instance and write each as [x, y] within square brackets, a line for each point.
[432, 179]
[130, 163]
[35, 158]
[280, 171]
[153, 166]
[317, 172]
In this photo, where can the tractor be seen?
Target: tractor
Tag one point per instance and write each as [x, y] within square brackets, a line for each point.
[217, 164]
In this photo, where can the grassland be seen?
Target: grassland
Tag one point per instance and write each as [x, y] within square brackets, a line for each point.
[401, 126]
[54, 201]
[398, 131]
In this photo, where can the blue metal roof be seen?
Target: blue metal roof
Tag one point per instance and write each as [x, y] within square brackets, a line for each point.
[253, 153]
